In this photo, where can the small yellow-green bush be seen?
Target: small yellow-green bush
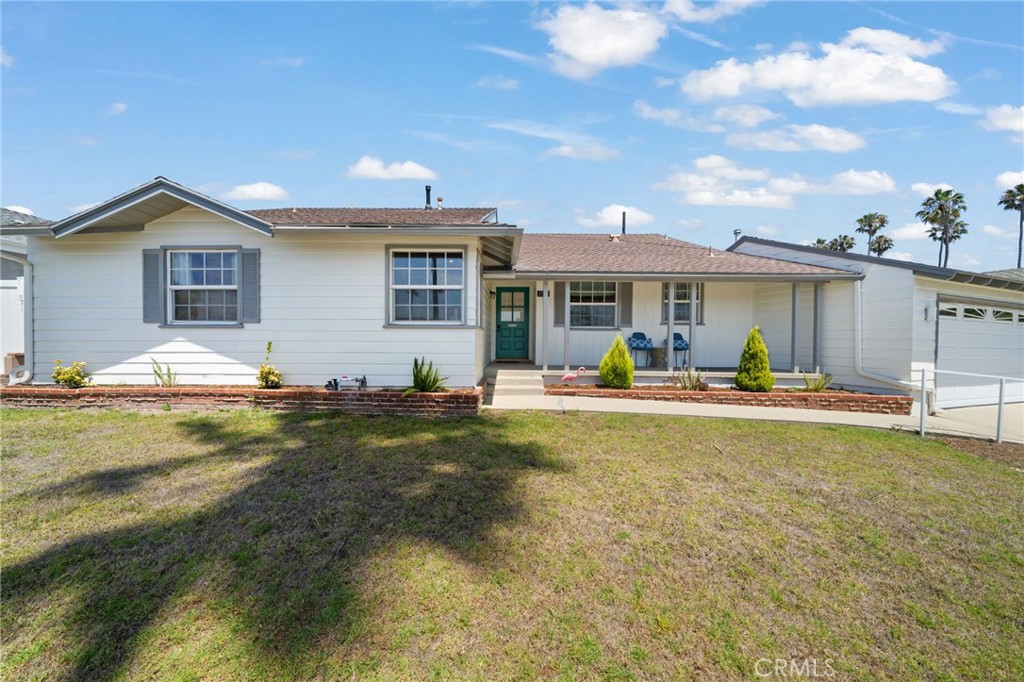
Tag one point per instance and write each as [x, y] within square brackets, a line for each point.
[70, 377]
[268, 376]
[616, 367]
[754, 372]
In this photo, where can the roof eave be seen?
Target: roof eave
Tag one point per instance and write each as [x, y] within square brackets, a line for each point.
[684, 276]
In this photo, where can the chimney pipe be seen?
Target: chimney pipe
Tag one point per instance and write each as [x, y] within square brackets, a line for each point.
[623, 222]
[736, 235]
[428, 198]
[440, 202]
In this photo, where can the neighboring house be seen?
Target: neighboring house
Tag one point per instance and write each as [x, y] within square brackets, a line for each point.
[12, 268]
[903, 317]
[165, 273]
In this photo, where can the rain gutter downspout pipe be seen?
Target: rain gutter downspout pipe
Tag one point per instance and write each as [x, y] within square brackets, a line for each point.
[858, 349]
[23, 373]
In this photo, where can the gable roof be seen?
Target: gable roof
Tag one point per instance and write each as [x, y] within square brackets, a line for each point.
[155, 199]
[990, 279]
[13, 219]
[1015, 274]
[377, 217]
[653, 256]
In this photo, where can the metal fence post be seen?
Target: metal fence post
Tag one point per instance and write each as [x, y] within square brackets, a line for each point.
[999, 416]
[924, 399]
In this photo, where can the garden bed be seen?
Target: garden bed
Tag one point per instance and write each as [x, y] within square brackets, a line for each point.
[839, 401]
[453, 403]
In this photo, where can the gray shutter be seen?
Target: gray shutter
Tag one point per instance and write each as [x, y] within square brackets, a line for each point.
[152, 286]
[559, 304]
[249, 286]
[625, 304]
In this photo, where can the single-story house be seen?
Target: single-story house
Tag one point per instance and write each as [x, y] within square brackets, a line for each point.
[165, 273]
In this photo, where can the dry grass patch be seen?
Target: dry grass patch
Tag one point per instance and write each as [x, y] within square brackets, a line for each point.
[252, 545]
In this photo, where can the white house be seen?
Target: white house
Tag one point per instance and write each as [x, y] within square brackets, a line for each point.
[165, 273]
[881, 330]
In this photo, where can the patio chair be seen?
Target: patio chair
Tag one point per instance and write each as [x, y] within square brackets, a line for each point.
[680, 345]
[639, 342]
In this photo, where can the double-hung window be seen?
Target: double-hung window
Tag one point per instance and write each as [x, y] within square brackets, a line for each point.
[428, 286]
[682, 302]
[203, 286]
[592, 304]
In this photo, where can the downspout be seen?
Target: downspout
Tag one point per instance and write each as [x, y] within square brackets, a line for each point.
[23, 373]
[858, 350]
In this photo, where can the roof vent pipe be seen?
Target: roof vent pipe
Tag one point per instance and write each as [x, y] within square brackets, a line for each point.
[623, 222]
[736, 235]
[428, 198]
[440, 202]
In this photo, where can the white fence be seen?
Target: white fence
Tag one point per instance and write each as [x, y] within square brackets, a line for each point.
[1003, 382]
[12, 317]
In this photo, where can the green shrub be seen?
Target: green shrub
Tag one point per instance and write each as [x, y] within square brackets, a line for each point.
[268, 376]
[70, 377]
[425, 378]
[163, 375]
[754, 373]
[616, 366]
[689, 381]
[818, 384]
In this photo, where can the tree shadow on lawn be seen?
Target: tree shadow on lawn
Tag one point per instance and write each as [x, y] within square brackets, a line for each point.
[285, 550]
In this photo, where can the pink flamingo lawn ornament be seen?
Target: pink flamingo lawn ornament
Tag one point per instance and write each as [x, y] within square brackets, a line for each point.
[573, 376]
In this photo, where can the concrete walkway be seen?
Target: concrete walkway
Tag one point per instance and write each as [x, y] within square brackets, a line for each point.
[972, 422]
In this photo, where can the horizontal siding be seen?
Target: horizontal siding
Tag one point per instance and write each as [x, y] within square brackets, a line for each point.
[322, 304]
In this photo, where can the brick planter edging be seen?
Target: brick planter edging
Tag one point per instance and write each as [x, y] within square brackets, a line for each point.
[832, 400]
[454, 403]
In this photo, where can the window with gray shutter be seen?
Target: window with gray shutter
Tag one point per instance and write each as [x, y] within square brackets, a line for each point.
[249, 286]
[183, 286]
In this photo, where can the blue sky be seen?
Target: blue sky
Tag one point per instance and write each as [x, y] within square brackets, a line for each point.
[787, 120]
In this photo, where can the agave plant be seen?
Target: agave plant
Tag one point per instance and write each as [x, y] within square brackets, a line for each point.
[425, 378]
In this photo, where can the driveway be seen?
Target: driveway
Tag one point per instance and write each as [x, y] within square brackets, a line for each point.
[983, 418]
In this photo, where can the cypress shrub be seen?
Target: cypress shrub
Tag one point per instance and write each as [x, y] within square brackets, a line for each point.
[754, 373]
[616, 366]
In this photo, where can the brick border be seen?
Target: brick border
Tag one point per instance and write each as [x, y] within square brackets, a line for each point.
[832, 400]
[454, 403]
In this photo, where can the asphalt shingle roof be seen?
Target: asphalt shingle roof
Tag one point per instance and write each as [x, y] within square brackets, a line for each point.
[9, 218]
[645, 253]
[1013, 274]
[374, 216]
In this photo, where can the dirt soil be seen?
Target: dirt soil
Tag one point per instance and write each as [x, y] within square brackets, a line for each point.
[1007, 453]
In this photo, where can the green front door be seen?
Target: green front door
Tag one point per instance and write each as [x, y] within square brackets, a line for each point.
[512, 318]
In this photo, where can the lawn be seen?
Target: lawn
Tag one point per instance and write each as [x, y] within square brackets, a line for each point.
[251, 545]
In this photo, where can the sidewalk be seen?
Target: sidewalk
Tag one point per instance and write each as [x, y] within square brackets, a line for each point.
[979, 423]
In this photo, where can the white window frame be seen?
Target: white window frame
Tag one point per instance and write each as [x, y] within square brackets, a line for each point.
[171, 288]
[698, 303]
[614, 304]
[392, 287]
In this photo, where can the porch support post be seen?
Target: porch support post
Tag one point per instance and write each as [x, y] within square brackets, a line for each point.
[818, 301]
[670, 355]
[794, 340]
[544, 325]
[565, 352]
[693, 325]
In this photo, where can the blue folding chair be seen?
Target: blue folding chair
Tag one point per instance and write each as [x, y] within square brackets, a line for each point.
[639, 342]
[680, 345]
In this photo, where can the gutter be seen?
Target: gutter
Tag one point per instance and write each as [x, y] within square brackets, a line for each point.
[23, 373]
[858, 351]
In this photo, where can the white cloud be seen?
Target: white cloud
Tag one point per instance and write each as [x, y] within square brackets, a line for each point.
[20, 209]
[911, 231]
[926, 190]
[689, 223]
[293, 62]
[520, 57]
[766, 230]
[589, 39]
[900, 255]
[993, 231]
[1009, 179]
[1004, 117]
[5, 59]
[611, 216]
[117, 108]
[256, 191]
[745, 115]
[687, 10]
[699, 37]
[718, 181]
[82, 207]
[587, 151]
[798, 138]
[572, 145]
[868, 66]
[663, 82]
[965, 261]
[372, 168]
[498, 83]
[961, 109]
[677, 118]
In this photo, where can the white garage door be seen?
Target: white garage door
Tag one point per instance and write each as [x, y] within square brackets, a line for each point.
[982, 339]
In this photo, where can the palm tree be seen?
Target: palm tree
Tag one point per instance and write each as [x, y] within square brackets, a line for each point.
[879, 245]
[871, 224]
[1013, 200]
[820, 243]
[942, 212]
[842, 243]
